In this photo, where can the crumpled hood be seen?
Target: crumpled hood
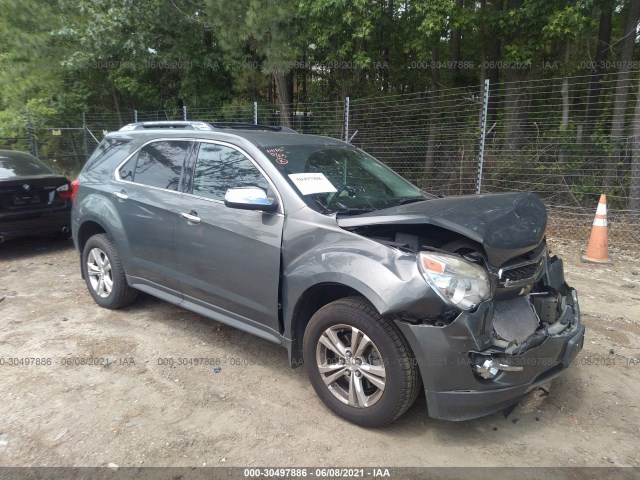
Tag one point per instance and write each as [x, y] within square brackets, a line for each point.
[505, 224]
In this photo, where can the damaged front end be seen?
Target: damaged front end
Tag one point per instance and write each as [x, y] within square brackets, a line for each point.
[482, 360]
[507, 321]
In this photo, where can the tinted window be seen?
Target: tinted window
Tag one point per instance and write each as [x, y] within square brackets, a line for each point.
[19, 164]
[159, 164]
[111, 151]
[128, 169]
[219, 168]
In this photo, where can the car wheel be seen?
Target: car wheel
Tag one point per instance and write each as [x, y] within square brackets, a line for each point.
[104, 274]
[359, 364]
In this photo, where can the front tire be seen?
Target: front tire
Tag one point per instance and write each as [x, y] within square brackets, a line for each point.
[359, 364]
[104, 275]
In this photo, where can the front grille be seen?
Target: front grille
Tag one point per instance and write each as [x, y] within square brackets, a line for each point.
[514, 319]
[520, 273]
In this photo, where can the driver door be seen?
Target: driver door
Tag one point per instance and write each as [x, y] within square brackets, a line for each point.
[228, 259]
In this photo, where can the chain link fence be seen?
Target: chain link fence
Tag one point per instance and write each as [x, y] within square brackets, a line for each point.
[554, 137]
[525, 136]
[14, 143]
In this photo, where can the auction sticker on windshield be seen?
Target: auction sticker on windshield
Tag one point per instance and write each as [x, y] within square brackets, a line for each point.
[310, 183]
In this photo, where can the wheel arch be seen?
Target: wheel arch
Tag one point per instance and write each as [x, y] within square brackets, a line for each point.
[88, 229]
[116, 293]
[343, 386]
[313, 299]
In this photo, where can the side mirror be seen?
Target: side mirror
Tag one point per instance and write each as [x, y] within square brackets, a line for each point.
[250, 198]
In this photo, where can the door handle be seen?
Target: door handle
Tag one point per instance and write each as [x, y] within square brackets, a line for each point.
[121, 195]
[191, 217]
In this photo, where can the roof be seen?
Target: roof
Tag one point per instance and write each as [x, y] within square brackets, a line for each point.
[259, 135]
[202, 126]
[16, 154]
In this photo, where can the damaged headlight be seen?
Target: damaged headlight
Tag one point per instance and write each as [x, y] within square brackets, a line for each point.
[458, 282]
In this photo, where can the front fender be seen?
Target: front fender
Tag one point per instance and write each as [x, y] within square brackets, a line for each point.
[316, 253]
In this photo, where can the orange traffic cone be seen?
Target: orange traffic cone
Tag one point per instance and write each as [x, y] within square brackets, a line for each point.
[598, 248]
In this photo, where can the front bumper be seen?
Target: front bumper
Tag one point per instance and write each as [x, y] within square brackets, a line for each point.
[455, 392]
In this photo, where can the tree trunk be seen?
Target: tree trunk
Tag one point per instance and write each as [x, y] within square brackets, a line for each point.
[493, 73]
[116, 103]
[592, 110]
[430, 158]
[564, 125]
[456, 50]
[284, 86]
[483, 46]
[565, 89]
[515, 107]
[515, 98]
[621, 92]
[634, 190]
[386, 54]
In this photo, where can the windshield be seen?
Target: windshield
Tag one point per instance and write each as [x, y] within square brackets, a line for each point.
[341, 179]
[19, 164]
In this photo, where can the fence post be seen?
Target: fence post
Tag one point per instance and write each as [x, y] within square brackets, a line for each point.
[184, 113]
[483, 135]
[346, 119]
[33, 144]
[255, 113]
[85, 140]
[135, 116]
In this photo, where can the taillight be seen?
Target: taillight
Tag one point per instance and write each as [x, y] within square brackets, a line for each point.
[68, 191]
[64, 191]
[74, 188]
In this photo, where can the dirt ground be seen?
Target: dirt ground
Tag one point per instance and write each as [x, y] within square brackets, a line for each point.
[248, 408]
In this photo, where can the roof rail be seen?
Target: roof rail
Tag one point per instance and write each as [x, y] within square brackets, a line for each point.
[175, 124]
[251, 126]
[203, 126]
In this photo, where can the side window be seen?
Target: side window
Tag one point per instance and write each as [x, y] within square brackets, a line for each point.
[219, 168]
[127, 170]
[110, 152]
[158, 164]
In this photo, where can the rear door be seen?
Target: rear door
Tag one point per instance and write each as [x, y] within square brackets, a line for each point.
[147, 198]
[228, 259]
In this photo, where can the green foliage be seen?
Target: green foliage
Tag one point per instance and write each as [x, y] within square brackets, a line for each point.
[267, 30]
[62, 57]
[151, 54]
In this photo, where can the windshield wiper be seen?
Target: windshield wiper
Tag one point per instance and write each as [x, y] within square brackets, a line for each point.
[354, 211]
[411, 200]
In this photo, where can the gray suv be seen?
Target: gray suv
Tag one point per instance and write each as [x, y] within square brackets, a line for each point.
[380, 289]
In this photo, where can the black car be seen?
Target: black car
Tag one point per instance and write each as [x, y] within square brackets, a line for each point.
[34, 200]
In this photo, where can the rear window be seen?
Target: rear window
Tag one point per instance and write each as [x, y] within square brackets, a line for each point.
[158, 164]
[19, 164]
[110, 152]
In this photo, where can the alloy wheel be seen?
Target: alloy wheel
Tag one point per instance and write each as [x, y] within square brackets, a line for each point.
[351, 366]
[99, 271]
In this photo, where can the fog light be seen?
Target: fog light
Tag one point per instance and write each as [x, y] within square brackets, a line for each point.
[488, 368]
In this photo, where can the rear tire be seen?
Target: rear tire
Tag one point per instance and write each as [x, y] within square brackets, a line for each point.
[359, 364]
[104, 275]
